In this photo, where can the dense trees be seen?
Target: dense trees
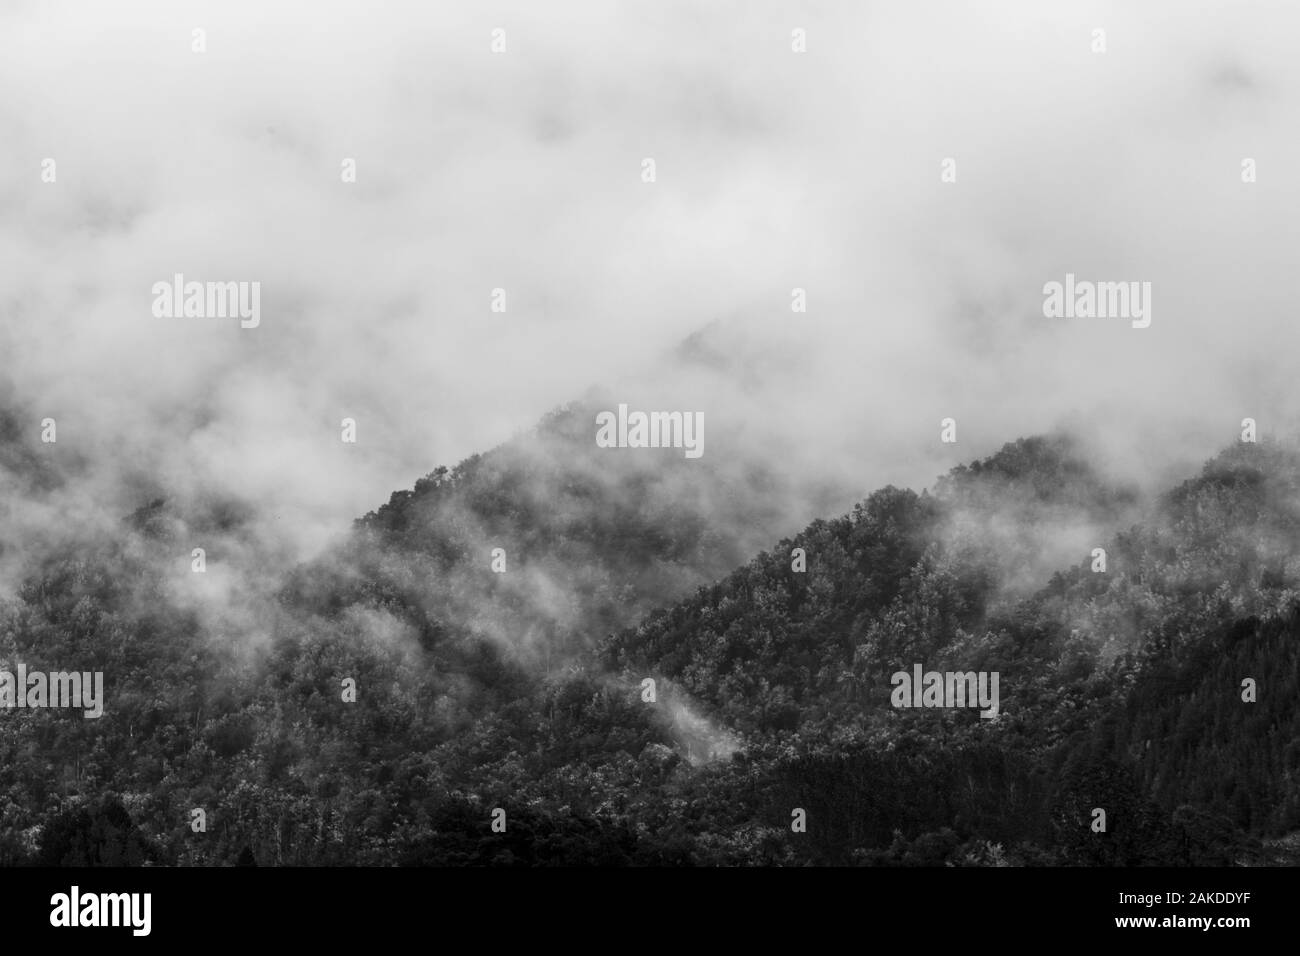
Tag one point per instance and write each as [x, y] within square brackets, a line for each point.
[1121, 690]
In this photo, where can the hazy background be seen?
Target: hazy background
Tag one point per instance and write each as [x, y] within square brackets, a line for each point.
[522, 170]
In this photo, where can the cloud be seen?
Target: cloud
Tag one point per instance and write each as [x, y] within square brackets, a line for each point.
[521, 171]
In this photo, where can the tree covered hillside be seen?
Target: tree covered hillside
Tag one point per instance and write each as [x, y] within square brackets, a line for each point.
[523, 690]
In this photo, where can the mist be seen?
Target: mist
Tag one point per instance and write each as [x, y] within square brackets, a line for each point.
[522, 170]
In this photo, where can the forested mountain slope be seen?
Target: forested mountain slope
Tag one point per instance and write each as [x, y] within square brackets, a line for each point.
[522, 690]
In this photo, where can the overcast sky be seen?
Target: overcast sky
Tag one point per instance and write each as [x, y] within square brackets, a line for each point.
[523, 170]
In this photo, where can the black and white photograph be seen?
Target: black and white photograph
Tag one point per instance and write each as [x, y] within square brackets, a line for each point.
[856, 437]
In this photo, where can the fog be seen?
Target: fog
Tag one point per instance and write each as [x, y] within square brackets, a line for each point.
[522, 170]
